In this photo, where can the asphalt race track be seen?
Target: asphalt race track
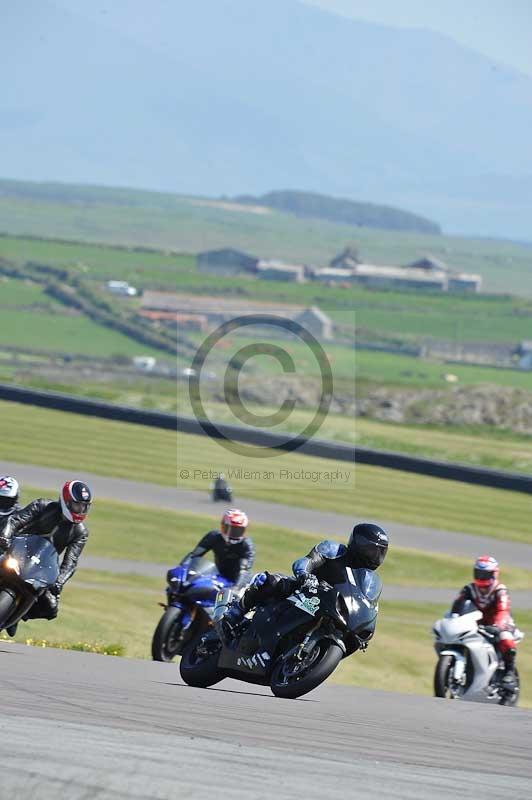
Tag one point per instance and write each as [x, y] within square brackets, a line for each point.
[85, 726]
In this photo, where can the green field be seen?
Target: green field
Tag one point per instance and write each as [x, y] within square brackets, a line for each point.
[186, 224]
[404, 315]
[142, 453]
[72, 334]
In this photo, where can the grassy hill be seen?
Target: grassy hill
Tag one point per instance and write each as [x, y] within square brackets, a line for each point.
[190, 224]
[334, 209]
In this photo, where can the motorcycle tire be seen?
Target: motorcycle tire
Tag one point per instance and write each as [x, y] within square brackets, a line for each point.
[511, 700]
[7, 604]
[200, 671]
[441, 676]
[326, 661]
[166, 644]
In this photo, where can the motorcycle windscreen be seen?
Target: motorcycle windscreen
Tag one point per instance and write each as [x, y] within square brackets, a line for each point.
[37, 558]
[360, 596]
[201, 566]
[369, 584]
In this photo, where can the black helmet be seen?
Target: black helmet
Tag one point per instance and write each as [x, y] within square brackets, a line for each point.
[367, 545]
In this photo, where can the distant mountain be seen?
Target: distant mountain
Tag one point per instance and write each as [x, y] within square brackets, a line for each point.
[233, 97]
[319, 206]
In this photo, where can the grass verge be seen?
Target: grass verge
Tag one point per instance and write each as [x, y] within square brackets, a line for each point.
[49, 438]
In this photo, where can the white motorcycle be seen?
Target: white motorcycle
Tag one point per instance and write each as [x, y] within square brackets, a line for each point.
[469, 667]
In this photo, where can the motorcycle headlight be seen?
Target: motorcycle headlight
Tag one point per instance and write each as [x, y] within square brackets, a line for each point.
[12, 563]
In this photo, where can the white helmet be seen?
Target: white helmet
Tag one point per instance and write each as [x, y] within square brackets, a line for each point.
[9, 490]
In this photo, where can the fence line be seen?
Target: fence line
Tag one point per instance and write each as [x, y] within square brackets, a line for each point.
[319, 448]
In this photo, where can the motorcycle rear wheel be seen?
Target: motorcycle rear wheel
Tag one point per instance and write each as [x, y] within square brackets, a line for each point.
[512, 699]
[166, 643]
[289, 682]
[198, 668]
[442, 675]
[7, 605]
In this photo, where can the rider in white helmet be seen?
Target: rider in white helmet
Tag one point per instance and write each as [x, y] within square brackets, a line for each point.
[9, 494]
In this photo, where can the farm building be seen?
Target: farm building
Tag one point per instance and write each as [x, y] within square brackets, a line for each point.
[464, 282]
[226, 262]
[316, 322]
[348, 259]
[429, 264]
[278, 271]
[334, 275]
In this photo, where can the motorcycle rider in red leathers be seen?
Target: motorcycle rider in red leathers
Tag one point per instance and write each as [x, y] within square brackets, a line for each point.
[492, 598]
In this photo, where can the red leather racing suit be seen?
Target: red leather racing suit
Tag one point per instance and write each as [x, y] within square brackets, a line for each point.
[495, 609]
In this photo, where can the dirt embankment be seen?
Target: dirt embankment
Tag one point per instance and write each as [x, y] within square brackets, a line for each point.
[500, 407]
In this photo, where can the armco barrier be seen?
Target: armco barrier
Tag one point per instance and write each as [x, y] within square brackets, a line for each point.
[312, 447]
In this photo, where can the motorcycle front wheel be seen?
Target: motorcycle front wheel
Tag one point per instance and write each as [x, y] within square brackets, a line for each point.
[166, 643]
[7, 606]
[442, 677]
[292, 678]
[199, 663]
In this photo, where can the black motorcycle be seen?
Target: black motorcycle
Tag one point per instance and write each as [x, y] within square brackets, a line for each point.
[27, 570]
[222, 491]
[292, 644]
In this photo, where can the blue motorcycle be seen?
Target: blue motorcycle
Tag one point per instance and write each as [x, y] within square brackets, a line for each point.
[191, 594]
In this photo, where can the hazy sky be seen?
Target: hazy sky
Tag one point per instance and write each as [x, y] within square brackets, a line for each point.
[501, 29]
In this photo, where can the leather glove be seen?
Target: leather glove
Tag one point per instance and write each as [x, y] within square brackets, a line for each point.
[5, 543]
[492, 630]
[309, 581]
[259, 580]
[56, 589]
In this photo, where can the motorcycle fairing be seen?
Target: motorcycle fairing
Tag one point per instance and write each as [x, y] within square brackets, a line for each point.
[38, 563]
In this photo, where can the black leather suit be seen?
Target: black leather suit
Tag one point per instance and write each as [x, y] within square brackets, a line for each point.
[233, 561]
[328, 561]
[4, 518]
[44, 518]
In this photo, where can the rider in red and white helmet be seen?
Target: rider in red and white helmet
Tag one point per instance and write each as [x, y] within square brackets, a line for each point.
[75, 500]
[234, 551]
[62, 522]
[233, 525]
[492, 598]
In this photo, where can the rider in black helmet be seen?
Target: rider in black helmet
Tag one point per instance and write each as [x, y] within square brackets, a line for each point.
[328, 561]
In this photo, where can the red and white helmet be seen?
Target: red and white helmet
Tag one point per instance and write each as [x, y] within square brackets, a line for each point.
[485, 575]
[233, 525]
[76, 498]
[8, 494]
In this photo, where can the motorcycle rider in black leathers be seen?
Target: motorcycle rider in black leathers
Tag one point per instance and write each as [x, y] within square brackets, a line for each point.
[234, 552]
[9, 495]
[327, 561]
[62, 522]
[221, 489]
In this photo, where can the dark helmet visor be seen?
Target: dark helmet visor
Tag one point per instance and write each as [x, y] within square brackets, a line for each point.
[7, 503]
[235, 532]
[483, 575]
[374, 554]
[79, 507]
